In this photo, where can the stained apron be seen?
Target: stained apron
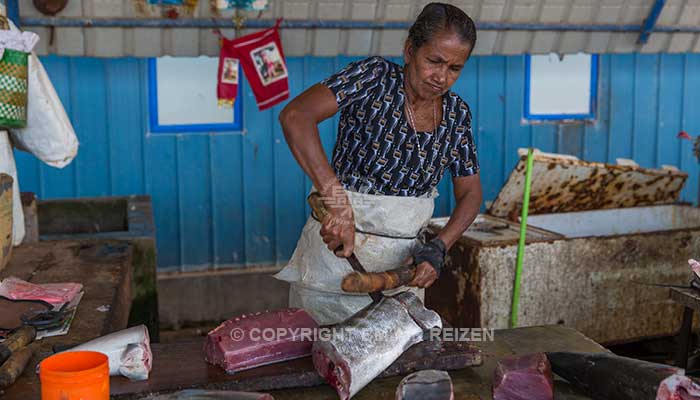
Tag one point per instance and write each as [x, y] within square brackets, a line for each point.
[391, 225]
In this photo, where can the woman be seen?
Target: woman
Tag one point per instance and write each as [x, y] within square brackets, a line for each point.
[400, 128]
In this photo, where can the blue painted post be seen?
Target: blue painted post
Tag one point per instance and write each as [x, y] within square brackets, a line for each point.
[650, 22]
[13, 11]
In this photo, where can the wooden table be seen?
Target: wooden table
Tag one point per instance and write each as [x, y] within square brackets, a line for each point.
[104, 269]
[470, 383]
[475, 383]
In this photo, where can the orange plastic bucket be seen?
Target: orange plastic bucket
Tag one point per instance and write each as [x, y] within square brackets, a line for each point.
[79, 375]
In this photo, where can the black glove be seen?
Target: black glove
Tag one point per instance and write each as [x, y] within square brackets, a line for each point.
[433, 252]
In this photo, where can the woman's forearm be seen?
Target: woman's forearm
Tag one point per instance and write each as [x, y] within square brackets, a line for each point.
[302, 136]
[299, 120]
[468, 205]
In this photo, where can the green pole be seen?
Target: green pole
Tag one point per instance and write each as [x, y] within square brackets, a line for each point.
[521, 243]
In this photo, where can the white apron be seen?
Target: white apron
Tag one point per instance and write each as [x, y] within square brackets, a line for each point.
[315, 273]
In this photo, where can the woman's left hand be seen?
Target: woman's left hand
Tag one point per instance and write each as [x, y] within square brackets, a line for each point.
[425, 275]
[429, 258]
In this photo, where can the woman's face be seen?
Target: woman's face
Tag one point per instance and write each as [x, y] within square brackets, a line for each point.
[435, 66]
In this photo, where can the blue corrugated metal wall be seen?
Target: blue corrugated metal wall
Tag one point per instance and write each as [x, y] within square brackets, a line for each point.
[232, 199]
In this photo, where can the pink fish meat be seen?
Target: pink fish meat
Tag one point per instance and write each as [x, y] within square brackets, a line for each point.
[678, 387]
[253, 340]
[53, 293]
[695, 267]
[524, 378]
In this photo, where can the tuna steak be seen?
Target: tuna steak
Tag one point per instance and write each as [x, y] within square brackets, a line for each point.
[254, 340]
[524, 378]
[426, 385]
[360, 348]
[606, 376]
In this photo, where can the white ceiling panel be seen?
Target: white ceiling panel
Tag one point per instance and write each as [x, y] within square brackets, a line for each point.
[147, 42]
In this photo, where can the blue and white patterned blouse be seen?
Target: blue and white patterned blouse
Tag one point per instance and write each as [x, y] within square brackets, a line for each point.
[377, 151]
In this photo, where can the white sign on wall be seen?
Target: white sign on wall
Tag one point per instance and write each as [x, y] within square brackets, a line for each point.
[183, 97]
[561, 88]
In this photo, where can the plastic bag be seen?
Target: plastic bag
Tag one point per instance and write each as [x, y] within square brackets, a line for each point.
[49, 134]
[53, 293]
[7, 166]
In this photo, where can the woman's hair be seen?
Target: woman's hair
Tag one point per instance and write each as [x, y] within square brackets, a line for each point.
[441, 17]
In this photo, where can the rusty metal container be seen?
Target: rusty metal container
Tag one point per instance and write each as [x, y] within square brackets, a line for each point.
[595, 233]
[5, 219]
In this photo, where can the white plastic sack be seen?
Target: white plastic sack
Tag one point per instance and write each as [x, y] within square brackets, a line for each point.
[7, 166]
[16, 40]
[49, 134]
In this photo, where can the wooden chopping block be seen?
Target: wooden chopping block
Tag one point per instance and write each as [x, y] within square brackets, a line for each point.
[5, 219]
[178, 366]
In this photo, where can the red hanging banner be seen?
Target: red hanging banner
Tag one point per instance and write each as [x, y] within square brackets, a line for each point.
[227, 88]
[262, 59]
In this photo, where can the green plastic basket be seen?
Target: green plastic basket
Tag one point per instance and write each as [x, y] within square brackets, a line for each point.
[13, 89]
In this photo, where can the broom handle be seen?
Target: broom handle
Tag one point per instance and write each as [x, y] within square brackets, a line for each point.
[521, 243]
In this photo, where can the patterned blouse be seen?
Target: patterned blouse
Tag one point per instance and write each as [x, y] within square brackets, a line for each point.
[377, 151]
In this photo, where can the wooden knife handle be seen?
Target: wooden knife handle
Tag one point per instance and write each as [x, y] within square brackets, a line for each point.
[357, 282]
[316, 203]
[18, 339]
[13, 368]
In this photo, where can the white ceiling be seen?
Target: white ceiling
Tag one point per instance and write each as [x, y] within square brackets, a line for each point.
[148, 42]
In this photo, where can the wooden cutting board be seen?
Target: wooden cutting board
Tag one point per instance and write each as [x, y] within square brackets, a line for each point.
[180, 366]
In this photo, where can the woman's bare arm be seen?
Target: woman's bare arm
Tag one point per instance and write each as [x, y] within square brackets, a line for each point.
[300, 119]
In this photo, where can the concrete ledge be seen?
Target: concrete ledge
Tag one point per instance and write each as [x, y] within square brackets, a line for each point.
[197, 298]
[127, 218]
[96, 217]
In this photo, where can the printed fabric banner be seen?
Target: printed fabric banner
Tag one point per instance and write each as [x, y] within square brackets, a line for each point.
[262, 59]
[227, 87]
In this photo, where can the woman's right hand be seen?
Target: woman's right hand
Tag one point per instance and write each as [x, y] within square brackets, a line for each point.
[338, 227]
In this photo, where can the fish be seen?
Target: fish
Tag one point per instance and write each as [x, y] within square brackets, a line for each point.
[430, 384]
[527, 377]
[128, 351]
[695, 267]
[605, 376]
[357, 350]
[252, 340]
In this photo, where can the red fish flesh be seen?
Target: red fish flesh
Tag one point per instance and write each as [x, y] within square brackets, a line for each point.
[253, 340]
[524, 378]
